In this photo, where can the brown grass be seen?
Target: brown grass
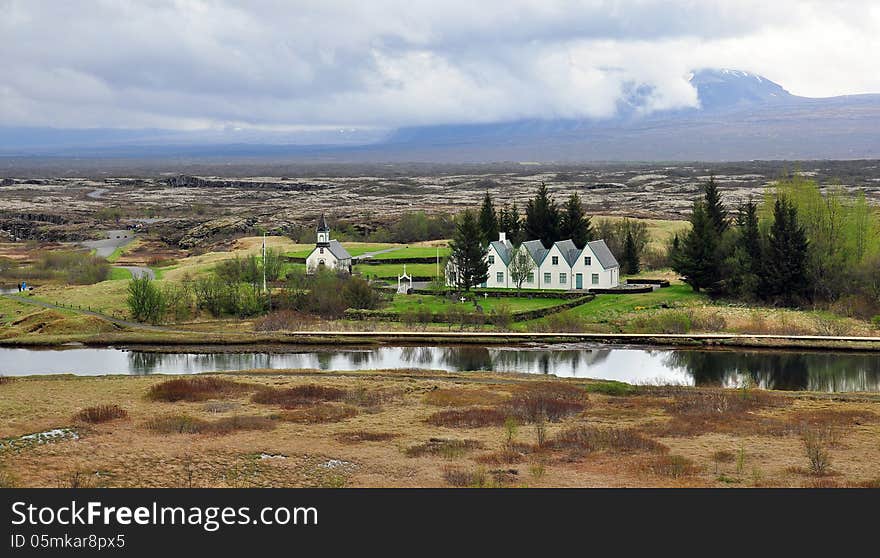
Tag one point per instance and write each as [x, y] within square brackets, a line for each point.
[185, 424]
[298, 396]
[198, 388]
[696, 412]
[550, 401]
[320, 413]
[358, 436]
[100, 413]
[442, 447]
[461, 397]
[471, 417]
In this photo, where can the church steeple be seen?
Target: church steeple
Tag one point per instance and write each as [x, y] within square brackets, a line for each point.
[323, 232]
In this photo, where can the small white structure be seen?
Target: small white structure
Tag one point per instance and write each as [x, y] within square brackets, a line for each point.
[328, 254]
[563, 266]
[404, 282]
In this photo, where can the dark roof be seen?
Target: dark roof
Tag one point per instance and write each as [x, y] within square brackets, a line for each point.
[337, 250]
[504, 249]
[569, 251]
[536, 250]
[603, 254]
[322, 225]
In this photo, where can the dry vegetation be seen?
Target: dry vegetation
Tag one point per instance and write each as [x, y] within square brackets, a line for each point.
[417, 428]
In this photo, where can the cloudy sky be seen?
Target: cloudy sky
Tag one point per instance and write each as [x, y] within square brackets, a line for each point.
[191, 64]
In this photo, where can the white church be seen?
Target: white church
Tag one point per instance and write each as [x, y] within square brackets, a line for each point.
[563, 266]
[328, 254]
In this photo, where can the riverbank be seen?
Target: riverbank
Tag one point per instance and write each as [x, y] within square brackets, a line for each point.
[270, 428]
[216, 342]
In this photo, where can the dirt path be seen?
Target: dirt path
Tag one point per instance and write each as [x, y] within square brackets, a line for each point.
[367, 255]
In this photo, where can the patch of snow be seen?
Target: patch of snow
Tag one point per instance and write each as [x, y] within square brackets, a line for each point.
[272, 456]
[334, 464]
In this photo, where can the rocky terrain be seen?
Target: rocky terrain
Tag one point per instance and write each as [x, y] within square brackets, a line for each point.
[189, 210]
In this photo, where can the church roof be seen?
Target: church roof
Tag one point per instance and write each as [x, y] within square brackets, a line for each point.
[337, 250]
[569, 251]
[536, 250]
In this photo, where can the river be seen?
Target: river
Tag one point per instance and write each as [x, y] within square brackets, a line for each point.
[786, 370]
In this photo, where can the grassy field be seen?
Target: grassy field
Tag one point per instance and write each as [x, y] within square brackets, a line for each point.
[391, 271]
[403, 303]
[117, 274]
[424, 429]
[353, 248]
[414, 252]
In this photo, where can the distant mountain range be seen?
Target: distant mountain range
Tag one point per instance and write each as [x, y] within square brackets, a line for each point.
[742, 116]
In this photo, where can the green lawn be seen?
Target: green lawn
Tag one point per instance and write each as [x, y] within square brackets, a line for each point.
[391, 271]
[414, 252]
[606, 306]
[402, 303]
[353, 248]
[117, 273]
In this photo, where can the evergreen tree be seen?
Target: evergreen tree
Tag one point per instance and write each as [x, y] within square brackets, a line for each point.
[631, 262]
[750, 235]
[488, 220]
[715, 207]
[784, 271]
[574, 223]
[468, 255]
[542, 218]
[697, 258]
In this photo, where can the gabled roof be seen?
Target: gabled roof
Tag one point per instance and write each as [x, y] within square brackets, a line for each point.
[337, 250]
[536, 250]
[569, 251]
[603, 254]
[504, 249]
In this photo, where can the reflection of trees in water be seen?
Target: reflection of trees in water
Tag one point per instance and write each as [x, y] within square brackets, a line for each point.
[781, 370]
[549, 361]
[417, 355]
[466, 358]
[141, 364]
[359, 358]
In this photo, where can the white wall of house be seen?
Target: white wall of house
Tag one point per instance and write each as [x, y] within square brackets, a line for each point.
[554, 271]
[593, 274]
[498, 275]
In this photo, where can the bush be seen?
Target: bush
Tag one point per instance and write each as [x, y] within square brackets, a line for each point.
[443, 447]
[461, 478]
[297, 396]
[146, 302]
[77, 268]
[358, 293]
[101, 413]
[611, 387]
[587, 439]
[185, 424]
[816, 442]
[472, 417]
[674, 466]
[550, 401]
[199, 388]
[283, 320]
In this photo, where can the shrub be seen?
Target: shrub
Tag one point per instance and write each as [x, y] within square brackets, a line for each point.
[462, 478]
[101, 413]
[185, 424]
[471, 417]
[443, 447]
[6, 380]
[552, 401]
[663, 322]
[283, 320]
[320, 413]
[357, 436]
[587, 439]
[199, 388]
[673, 466]
[611, 387]
[816, 442]
[146, 303]
[298, 396]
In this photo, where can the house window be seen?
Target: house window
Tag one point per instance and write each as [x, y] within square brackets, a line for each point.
[588, 260]
[595, 278]
[555, 260]
[491, 259]
[530, 278]
[499, 277]
[321, 250]
[563, 278]
[547, 278]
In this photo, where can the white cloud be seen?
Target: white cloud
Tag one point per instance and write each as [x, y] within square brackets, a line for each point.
[200, 63]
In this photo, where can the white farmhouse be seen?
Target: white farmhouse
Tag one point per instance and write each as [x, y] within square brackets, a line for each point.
[328, 254]
[563, 266]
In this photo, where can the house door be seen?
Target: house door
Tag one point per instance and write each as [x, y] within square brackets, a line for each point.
[579, 281]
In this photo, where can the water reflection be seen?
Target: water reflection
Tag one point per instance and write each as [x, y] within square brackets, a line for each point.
[787, 370]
